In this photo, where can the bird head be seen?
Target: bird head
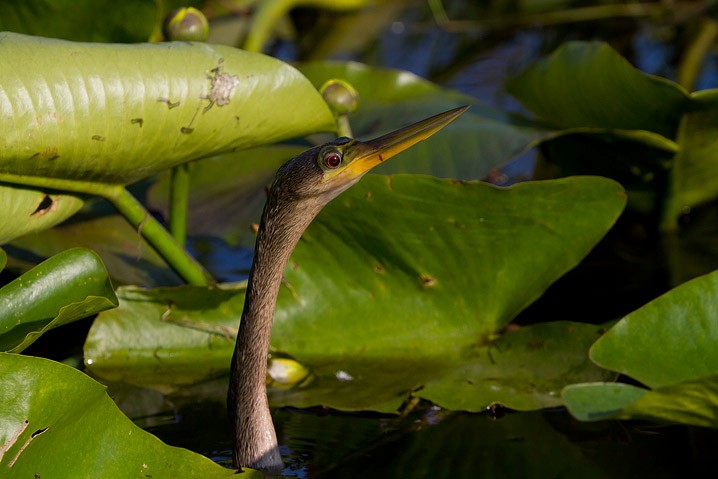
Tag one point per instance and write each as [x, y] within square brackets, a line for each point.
[325, 171]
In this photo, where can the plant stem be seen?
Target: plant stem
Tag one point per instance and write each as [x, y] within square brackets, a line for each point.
[343, 126]
[156, 235]
[179, 201]
[151, 230]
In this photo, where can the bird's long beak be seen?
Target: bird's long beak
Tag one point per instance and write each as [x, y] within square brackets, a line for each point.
[368, 154]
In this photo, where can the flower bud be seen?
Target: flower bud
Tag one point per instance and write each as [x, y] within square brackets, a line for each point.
[341, 97]
[186, 24]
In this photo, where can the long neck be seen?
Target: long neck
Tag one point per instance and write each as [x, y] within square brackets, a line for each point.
[255, 441]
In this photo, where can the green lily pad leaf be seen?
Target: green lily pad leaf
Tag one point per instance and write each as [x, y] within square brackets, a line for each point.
[227, 191]
[69, 286]
[394, 245]
[399, 317]
[29, 210]
[524, 370]
[127, 256]
[185, 333]
[673, 338]
[669, 345]
[468, 149]
[689, 402]
[153, 106]
[57, 422]
[3, 259]
[624, 98]
[598, 401]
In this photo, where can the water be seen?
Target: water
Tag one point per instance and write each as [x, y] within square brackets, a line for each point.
[431, 442]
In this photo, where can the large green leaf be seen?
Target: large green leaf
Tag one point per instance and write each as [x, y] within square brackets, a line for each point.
[468, 149]
[591, 85]
[57, 422]
[28, 210]
[441, 253]
[669, 345]
[69, 286]
[673, 338]
[119, 113]
[377, 312]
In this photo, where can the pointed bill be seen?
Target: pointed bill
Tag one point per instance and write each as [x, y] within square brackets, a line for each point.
[371, 153]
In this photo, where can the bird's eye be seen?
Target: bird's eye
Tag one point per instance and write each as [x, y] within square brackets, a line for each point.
[332, 159]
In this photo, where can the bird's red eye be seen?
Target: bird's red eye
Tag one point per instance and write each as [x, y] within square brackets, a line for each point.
[332, 160]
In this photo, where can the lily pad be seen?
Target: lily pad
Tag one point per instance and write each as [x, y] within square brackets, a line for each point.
[624, 98]
[379, 307]
[671, 339]
[688, 402]
[69, 286]
[124, 112]
[670, 346]
[57, 422]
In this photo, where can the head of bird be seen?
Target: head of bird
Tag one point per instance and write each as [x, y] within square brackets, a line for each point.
[321, 173]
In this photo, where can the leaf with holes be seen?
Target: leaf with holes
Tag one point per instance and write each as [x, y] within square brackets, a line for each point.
[120, 113]
[29, 210]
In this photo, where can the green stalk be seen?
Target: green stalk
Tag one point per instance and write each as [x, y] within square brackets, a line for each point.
[151, 230]
[179, 201]
[343, 126]
[157, 236]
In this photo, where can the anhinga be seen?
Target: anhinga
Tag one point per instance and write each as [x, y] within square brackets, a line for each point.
[300, 190]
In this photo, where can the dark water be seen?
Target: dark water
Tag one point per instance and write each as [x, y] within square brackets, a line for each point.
[436, 443]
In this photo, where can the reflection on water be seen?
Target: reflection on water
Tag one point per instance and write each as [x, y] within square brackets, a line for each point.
[434, 443]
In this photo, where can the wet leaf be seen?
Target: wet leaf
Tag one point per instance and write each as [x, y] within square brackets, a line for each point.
[124, 112]
[670, 346]
[484, 139]
[398, 316]
[69, 286]
[57, 422]
[3, 259]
